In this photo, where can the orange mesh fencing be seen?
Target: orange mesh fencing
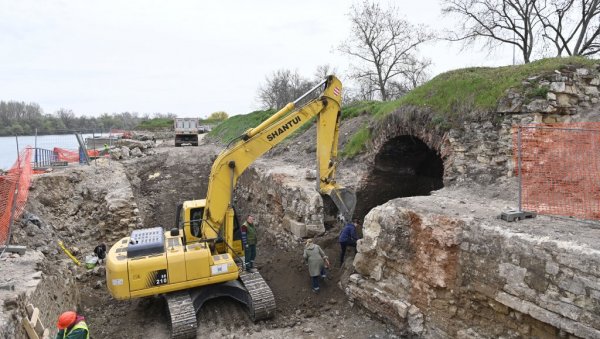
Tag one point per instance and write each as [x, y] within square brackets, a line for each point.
[122, 133]
[14, 189]
[72, 156]
[559, 168]
[66, 155]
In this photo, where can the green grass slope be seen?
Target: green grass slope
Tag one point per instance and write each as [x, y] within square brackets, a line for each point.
[453, 96]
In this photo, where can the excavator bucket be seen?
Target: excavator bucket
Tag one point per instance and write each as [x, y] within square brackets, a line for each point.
[345, 200]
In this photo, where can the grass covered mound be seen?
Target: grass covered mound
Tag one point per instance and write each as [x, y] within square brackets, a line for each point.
[453, 96]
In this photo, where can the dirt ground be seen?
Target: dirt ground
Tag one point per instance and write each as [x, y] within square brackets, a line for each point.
[172, 175]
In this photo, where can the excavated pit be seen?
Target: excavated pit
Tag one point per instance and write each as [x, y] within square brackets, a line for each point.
[433, 264]
[85, 206]
[403, 167]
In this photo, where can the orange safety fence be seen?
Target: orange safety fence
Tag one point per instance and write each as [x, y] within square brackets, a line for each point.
[14, 189]
[559, 168]
[66, 155]
[72, 156]
[123, 133]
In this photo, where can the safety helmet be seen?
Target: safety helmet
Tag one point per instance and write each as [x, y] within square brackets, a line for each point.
[66, 319]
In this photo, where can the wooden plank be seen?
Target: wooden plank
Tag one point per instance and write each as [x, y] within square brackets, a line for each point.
[14, 249]
[29, 329]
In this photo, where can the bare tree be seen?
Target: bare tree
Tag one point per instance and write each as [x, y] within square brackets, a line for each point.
[572, 26]
[67, 117]
[385, 45]
[497, 22]
[323, 71]
[282, 87]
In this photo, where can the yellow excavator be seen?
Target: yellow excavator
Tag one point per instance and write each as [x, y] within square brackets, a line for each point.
[201, 258]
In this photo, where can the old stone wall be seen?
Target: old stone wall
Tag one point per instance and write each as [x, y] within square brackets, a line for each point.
[81, 207]
[283, 201]
[482, 152]
[444, 266]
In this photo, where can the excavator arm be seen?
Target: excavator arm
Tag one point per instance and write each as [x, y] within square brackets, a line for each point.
[234, 160]
[200, 264]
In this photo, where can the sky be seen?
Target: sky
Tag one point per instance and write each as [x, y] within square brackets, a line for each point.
[187, 57]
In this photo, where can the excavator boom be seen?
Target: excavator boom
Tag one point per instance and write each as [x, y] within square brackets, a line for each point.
[200, 258]
[233, 161]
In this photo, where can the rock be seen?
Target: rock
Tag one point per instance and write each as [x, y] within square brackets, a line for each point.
[314, 229]
[563, 100]
[591, 90]
[136, 152]
[7, 287]
[540, 105]
[510, 104]
[11, 302]
[98, 284]
[116, 154]
[307, 330]
[582, 71]
[125, 151]
[96, 271]
[558, 87]
[310, 174]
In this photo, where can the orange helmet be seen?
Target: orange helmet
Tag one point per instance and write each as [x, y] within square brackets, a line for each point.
[66, 319]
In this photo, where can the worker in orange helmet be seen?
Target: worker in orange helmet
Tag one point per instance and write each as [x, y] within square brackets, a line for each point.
[72, 326]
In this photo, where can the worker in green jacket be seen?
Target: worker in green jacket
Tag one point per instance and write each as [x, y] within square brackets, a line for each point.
[72, 326]
[249, 242]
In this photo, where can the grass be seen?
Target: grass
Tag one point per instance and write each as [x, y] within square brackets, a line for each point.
[452, 96]
[155, 124]
[479, 88]
[357, 143]
[238, 124]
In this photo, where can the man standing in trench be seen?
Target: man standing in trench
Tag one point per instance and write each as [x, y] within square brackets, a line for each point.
[249, 242]
[348, 237]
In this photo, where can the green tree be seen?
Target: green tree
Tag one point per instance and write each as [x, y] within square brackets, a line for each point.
[218, 116]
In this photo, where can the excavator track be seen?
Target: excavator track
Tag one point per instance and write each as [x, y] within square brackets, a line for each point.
[182, 314]
[262, 301]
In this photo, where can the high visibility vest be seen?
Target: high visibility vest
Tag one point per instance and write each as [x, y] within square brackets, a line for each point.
[82, 325]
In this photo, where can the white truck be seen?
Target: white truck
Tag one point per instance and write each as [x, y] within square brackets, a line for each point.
[186, 131]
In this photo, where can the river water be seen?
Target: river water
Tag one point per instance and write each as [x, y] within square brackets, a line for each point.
[8, 145]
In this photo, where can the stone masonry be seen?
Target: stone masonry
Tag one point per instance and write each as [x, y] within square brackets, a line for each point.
[282, 201]
[81, 206]
[445, 266]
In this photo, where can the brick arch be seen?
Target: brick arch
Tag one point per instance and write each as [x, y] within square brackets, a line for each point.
[405, 159]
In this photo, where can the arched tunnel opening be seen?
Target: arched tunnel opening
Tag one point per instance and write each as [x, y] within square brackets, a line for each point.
[405, 166]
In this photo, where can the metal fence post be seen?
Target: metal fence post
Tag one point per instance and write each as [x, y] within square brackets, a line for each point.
[35, 152]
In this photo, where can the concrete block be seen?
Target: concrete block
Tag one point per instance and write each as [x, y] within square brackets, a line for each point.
[298, 228]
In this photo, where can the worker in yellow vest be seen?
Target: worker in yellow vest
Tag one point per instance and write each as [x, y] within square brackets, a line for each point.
[72, 326]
